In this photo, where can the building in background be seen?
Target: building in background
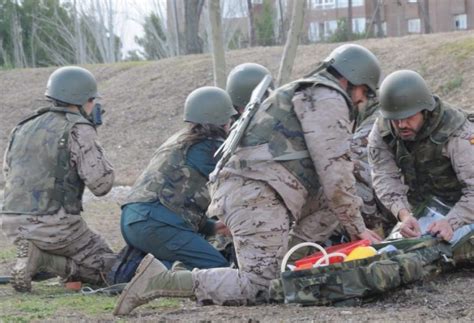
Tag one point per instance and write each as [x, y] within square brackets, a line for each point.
[388, 17]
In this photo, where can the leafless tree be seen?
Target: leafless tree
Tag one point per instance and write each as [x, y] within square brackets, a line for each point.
[252, 36]
[217, 43]
[192, 15]
[289, 52]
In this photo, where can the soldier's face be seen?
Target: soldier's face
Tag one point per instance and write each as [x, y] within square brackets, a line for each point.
[409, 127]
[359, 95]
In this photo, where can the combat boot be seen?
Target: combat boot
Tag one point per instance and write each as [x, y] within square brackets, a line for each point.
[31, 260]
[153, 280]
[463, 250]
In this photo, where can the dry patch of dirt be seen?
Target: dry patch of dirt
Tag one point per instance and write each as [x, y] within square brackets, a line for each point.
[144, 100]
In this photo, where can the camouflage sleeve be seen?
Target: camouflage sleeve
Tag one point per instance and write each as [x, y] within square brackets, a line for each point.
[90, 160]
[324, 118]
[386, 175]
[6, 157]
[460, 150]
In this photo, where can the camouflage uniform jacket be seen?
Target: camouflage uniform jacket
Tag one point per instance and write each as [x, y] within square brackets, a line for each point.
[298, 143]
[170, 180]
[50, 157]
[438, 163]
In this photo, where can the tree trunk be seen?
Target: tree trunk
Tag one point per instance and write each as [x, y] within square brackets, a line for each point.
[378, 18]
[218, 55]
[289, 53]
[176, 29]
[425, 13]
[349, 19]
[252, 38]
[192, 14]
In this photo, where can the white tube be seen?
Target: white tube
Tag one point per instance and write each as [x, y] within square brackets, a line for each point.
[298, 246]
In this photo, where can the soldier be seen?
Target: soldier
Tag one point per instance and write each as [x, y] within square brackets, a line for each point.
[422, 151]
[52, 155]
[292, 162]
[165, 213]
[242, 80]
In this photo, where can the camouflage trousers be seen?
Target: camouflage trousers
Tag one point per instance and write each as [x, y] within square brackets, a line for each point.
[259, 223]
[64, 235]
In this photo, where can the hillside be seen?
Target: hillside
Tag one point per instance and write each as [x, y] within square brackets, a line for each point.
[144, 100]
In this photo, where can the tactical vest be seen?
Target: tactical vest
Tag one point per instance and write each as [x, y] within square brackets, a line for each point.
[178, 186]
[426, 171]
[41, 179]
[276, 124]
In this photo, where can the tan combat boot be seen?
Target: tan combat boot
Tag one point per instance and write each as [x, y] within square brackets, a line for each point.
[153, 280]
[30, 260]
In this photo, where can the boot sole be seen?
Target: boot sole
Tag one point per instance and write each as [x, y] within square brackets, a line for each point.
[20, 282]
[146, 262]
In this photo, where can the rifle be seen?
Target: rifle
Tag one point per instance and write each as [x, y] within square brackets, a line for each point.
[237, 131]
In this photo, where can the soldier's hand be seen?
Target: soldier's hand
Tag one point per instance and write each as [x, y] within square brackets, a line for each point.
[222, 229]
[441, 229]
[371, 236]
[410, 227]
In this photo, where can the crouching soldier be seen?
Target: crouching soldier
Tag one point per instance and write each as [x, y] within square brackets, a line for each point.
[292, 162]
[51, 157]
[422, 154]
[165, 213]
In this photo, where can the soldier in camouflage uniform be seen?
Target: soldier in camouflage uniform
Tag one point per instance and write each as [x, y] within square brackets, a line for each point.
[165, 213]
[292, 163]
[52, 155]
[420, 149]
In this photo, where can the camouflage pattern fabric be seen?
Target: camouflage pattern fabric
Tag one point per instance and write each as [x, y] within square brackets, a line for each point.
[365, 277]
[178, 186]
[376, 217]
[63, 233]
[444, 154]
[259, 223]
[39, 177]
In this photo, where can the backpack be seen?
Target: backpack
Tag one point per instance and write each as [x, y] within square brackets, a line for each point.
[414, 260]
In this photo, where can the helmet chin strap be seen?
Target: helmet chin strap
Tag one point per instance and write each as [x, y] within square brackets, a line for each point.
[354, 112]
[84, 113]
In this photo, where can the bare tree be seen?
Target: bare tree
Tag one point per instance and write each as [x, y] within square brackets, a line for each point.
[192, 15]
[349, 19]
[217, 43]
[252, 36]
[378, 18]
[19, 58]
[289, 53]
[425, 12]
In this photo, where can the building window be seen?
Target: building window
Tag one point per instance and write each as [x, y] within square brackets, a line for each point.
[414, 25]
[412, 1]
[330, 27]
[460, 21]
[358, 25]
[323, 4]
[345, 3]
[313, 32]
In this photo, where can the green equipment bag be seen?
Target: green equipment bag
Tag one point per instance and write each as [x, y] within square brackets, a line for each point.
[413, 260]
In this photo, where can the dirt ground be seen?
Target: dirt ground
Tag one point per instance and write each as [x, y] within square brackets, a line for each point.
[144, 100]
[446, 298]
[144, 106]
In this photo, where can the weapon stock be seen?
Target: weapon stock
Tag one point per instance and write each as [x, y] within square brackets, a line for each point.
[238, 129]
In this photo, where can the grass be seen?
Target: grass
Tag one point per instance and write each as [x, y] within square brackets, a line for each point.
[48, 302]
[461, 49]
[452, 84]
[7, 254]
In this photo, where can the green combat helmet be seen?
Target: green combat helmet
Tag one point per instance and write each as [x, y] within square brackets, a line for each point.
[72, 84]
[357, 64]
[242, 80]
[208, 104]
[403, 94]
